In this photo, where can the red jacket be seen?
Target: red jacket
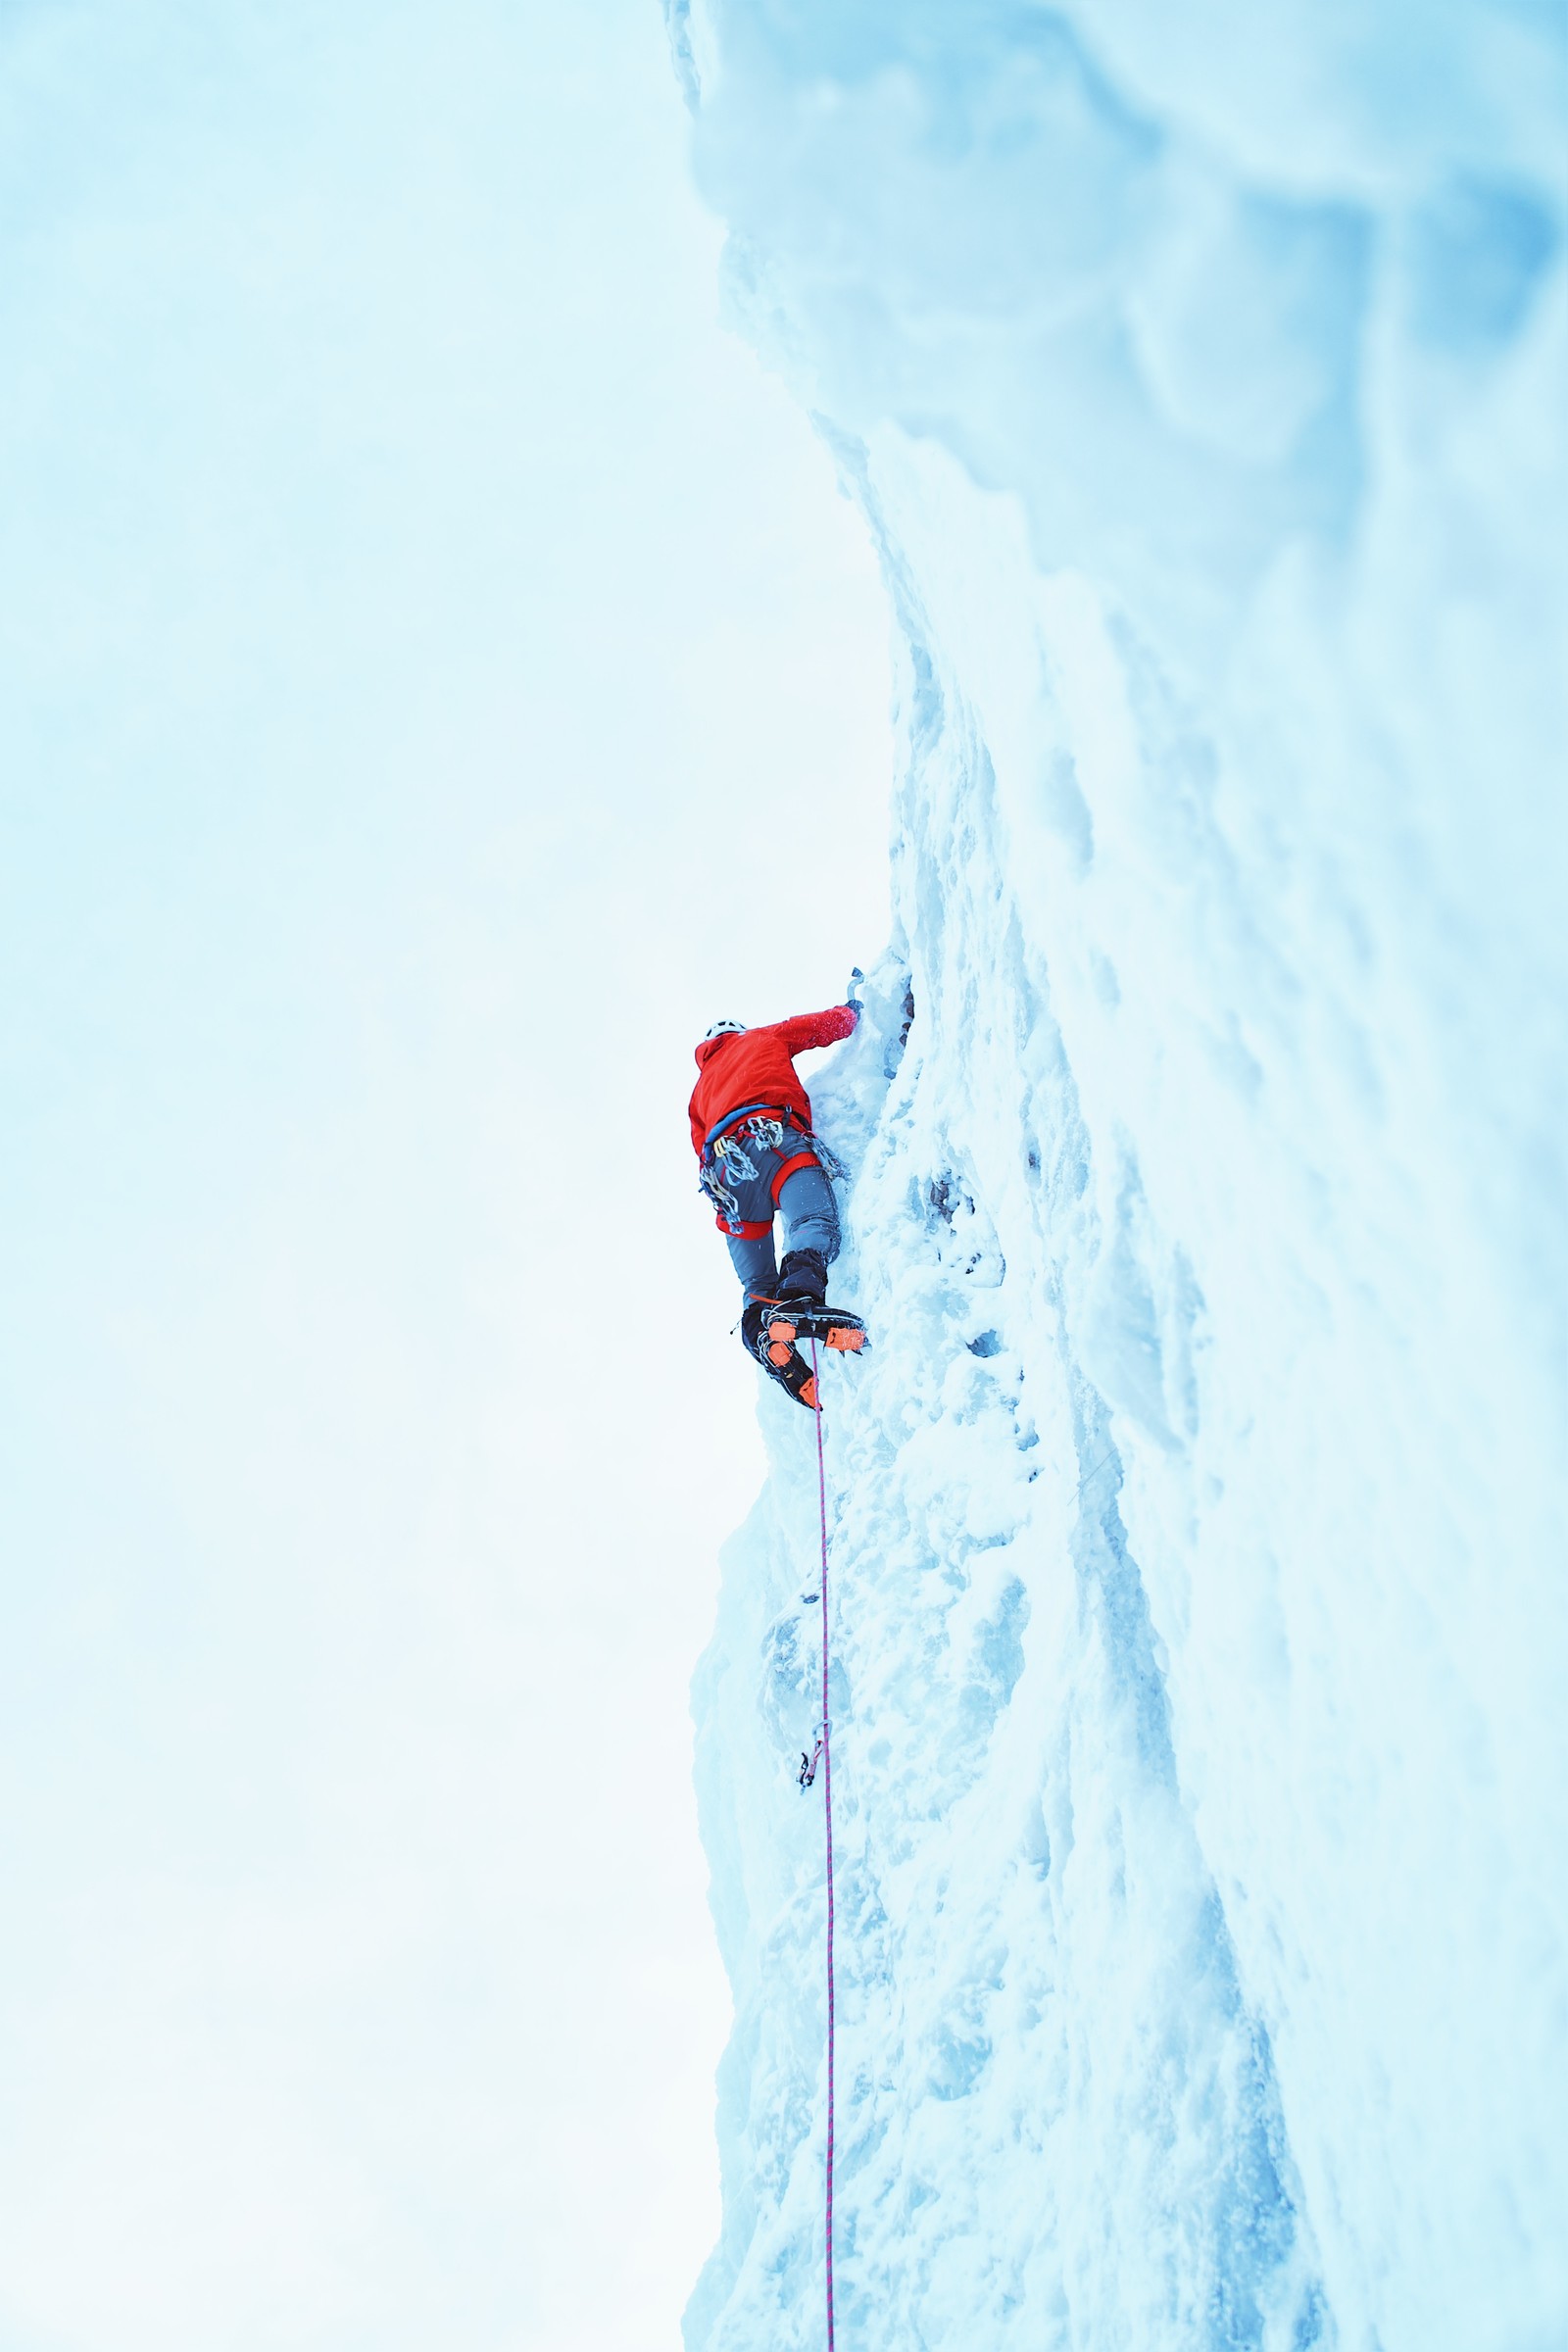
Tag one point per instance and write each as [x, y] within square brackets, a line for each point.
[758, 1065]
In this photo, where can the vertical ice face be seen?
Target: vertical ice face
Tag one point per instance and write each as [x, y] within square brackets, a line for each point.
[1198, 1522]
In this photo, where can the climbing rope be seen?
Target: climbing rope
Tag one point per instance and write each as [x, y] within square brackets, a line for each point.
[827, 1815]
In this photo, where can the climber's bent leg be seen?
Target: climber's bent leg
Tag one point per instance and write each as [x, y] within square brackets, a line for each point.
[810, 1214]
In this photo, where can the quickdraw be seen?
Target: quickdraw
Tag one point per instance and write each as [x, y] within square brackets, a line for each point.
[832, 1165]
[767, 1132]
[738, 1161]
[724, 1201]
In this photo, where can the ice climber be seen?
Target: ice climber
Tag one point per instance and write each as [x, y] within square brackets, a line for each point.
[751, 1132]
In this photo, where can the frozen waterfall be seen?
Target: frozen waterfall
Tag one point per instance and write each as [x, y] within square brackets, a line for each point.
[1198, 1522]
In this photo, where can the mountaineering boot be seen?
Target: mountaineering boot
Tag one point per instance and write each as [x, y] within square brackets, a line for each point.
[796, 1379]
[803, 1276]
[776, 1353]
[797, 1296]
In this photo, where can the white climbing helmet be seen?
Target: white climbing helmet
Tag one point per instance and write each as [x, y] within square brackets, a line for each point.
[724, 1029]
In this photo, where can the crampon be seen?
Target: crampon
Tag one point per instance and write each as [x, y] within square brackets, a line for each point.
[781, 1322]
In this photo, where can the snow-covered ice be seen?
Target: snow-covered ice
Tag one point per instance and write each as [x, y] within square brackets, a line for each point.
[1197, 1523]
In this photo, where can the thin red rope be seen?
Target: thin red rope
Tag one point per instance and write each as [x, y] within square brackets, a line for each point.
[827, 1814]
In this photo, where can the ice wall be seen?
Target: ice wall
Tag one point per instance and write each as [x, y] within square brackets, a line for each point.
[1198, 1522]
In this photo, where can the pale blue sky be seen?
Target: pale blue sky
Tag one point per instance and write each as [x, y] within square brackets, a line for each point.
[425, 634]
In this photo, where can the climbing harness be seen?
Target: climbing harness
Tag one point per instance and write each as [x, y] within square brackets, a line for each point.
[781, 1141]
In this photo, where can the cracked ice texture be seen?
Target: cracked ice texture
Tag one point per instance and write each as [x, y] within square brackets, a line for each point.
[1199, 1520]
